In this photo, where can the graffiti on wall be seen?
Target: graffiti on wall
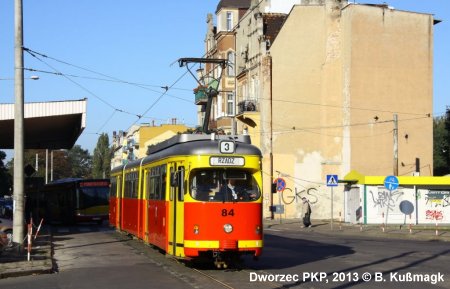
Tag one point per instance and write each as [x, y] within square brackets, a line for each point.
[420, 205]
[434, 215]
[288, 196]
[384, 198]
[438, 198]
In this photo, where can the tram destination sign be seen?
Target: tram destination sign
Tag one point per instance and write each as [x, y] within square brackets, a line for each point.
[226, 161]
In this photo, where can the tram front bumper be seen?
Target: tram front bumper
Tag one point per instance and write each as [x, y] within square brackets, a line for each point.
[192, 248]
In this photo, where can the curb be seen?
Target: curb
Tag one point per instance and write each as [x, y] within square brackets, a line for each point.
[422, 233]
[13, 264]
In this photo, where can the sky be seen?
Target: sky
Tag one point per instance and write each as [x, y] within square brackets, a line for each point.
[121, 54]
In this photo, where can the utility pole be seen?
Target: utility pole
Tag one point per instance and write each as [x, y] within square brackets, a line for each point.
[19, 178]
[395, 145]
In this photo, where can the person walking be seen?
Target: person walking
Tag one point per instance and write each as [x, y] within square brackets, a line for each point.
[306, 213]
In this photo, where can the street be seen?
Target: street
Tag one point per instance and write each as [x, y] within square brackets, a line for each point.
[91, 256]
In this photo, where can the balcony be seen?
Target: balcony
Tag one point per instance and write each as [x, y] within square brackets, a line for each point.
[249, 105]
[201, 97]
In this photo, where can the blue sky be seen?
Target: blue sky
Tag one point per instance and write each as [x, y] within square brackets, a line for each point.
[139, 42]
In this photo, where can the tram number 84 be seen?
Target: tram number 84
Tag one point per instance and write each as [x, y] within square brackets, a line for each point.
[226, 212]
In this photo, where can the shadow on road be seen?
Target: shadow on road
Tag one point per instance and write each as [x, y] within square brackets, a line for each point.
[294, 252]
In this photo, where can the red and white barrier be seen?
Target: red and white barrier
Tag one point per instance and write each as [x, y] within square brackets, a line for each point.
[30, 234]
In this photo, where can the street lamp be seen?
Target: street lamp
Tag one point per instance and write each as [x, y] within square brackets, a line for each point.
[33, 77]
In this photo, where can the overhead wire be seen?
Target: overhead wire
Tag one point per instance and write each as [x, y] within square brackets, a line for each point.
[140, 85]
[295, 129]
[140, 116]
[116, 109]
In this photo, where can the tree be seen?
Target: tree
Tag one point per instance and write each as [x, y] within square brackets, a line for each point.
[81, 162]
[101, 164]
[441, 145]
[73, 163]
[5, 177]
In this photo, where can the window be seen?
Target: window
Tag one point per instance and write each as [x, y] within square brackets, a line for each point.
[113, 188]
[131, 185]
[230, 58]
[230, 104]
[93, 196]
[219, 185]
[156, 183]
[229, 21]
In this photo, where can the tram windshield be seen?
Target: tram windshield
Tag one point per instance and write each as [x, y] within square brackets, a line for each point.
[223, 186]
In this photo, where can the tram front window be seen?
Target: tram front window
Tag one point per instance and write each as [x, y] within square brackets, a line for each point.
[223, 186]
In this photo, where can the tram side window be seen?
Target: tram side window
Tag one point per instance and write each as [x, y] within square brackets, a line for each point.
[149, 192]
[131, 185]
[127, 186]
[163, 182]
[113, 188]
[157, 183]
[135, 185]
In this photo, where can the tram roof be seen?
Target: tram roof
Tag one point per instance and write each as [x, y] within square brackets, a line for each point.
[193, 144]
[187, 138]
[47, 125]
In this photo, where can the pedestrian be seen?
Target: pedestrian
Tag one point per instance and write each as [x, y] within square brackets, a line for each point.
[306, 213]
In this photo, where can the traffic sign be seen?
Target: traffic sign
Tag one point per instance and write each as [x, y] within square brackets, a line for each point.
[391, 183]
[281, 184]
[332, 180]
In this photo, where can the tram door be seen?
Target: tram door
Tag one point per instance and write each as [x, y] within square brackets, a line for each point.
[176, 210]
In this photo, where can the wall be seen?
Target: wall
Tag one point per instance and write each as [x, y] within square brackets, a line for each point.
[388, 68]
[334, 95]
[407, 204]
[307, 105]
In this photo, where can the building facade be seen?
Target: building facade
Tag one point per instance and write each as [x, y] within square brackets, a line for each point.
[326, 87]
[133, 144]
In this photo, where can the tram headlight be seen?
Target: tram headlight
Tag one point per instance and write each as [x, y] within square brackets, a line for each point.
[196, 229]
[258, 230]
[228, 228]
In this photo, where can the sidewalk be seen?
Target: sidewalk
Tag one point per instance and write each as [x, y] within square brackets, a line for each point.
[14, 264]
[418, 232]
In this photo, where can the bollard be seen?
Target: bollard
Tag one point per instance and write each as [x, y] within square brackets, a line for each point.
[383, 225]
[340, 221]
[437, 230]
[410, 226]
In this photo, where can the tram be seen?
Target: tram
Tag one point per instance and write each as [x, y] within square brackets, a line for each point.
[193, 196]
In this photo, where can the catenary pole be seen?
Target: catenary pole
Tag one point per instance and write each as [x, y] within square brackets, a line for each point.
[18, 211]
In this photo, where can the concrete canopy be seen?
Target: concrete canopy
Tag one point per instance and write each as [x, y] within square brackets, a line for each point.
[47, 125]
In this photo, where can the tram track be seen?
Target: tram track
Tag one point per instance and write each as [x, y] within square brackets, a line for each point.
[200, 277]
[239, 278]
[213, 279]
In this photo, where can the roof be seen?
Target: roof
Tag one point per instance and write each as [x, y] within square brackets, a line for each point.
[239, 4]
[272, 25]
[358, 178]
[47, 125]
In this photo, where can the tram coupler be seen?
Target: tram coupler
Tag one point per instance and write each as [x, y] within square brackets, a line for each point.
[218, 260]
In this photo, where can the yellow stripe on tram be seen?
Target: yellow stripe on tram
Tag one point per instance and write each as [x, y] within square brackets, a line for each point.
[250, 243]
[201, 244]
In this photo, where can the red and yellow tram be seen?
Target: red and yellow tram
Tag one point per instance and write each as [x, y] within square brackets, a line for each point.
[193, 196]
